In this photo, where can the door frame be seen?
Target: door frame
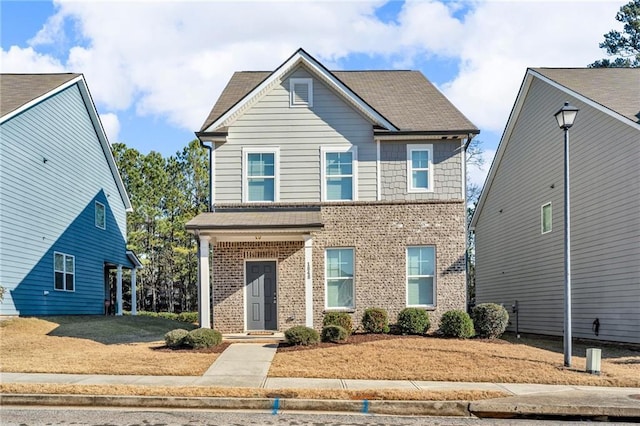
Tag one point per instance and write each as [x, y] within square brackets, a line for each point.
[244, 289]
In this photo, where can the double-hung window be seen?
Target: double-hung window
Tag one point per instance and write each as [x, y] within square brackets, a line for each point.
[64, 272]
[339, 177]
[421, 285]
[339, 278]
[260, 174]
[419, 168]
[101, 217]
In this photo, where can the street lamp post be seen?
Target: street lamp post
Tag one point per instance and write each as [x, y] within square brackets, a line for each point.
[565, 118]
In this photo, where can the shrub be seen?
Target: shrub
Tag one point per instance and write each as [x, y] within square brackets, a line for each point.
[301, 335]
[190, 317]
[375, 320]
[203, 338]
[334, 334]
[341, 319]
[175, 338]
[168, 315]
[490, 320]
[413, 321]
[456, 324]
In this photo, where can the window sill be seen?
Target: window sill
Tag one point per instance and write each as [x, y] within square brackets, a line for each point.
[424, 307]
[346, 310]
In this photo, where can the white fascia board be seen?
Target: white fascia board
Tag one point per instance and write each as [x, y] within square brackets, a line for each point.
[41, 98]
[300, 57]
[515, 112]
[104, 142]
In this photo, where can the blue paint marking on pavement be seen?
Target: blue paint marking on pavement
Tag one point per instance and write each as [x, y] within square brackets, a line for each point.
[365, 406]
[276, 406]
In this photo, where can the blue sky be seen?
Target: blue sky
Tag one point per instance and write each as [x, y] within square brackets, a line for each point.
[156, 68]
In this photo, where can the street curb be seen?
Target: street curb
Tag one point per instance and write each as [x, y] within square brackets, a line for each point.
[417, 408]
[497, 409]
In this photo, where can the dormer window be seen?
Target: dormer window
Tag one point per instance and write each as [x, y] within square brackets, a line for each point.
[301, 92]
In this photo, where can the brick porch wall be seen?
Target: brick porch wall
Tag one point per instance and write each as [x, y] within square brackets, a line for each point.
[380, 233]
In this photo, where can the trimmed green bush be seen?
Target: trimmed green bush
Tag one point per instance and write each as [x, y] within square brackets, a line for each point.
[341, 319]
[456, 323]
[175, 338]
[375, 320]
[168, 315]
[301, 335]
[190, 317]
[203, 338]
[490, 320]
[413, 321]
[334, 334]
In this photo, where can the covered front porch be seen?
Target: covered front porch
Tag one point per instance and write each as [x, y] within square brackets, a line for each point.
[255, 268]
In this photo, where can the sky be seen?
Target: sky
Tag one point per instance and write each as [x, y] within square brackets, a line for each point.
[155, 68]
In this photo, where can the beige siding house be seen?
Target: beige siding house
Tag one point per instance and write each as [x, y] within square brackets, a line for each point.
[332, 191]
[518, 222]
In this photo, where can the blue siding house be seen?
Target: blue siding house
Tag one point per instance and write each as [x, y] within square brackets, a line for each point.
[62, 202]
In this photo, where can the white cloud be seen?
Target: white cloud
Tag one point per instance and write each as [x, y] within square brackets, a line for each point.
[172, 59]
[111, 126]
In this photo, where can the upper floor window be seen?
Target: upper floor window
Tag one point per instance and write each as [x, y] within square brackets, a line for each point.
[260, 180]
[64, 272]
[339, 278]
[421, 286]
[101, 217]
[419, 168]
[301, 92]
[546, 218]
[339, 173]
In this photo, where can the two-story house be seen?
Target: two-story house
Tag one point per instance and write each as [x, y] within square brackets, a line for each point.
[62, 202]
[331, 191]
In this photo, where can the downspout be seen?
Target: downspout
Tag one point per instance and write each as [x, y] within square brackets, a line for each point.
[210, 149]
[464, 145]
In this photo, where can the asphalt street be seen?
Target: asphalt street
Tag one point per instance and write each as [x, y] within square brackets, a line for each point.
[28, 416]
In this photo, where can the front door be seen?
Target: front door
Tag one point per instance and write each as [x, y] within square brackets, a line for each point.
[261, 295]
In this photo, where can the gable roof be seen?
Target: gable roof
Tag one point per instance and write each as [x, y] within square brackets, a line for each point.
[23, 91]
[393, 100]
[614, 91]
[615, 88]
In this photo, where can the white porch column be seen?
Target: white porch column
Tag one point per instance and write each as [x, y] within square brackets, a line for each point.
[204, 295]
[119, 290]
[308, 280]
[134, 299]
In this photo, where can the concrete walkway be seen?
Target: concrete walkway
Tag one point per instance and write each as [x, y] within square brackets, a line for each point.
[242, 365]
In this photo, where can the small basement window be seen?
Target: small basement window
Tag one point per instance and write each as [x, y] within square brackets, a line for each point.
[301, 92]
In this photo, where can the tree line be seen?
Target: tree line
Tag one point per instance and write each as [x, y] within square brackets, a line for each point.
[165, 194]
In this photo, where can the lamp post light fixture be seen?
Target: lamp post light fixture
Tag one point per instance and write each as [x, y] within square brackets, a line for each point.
[565, 118]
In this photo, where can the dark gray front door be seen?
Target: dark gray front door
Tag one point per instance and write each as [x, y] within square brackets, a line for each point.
[261, 296]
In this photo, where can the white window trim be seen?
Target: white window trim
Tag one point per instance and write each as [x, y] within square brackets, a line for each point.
[324, 150]
[276, 166]
[64, 263]
[419, 147]
[326, 283]
[292, 83]
[435, 272]
[98, 203]
[542, 231]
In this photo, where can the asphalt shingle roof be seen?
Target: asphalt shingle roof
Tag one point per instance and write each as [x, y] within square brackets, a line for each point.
[615, 88]
[17, 90]
[274, 218]
[405, 98]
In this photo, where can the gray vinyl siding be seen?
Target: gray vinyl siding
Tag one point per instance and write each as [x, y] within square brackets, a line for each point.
[514, 261]
[447, 173]
[52, 170]
[299, 133]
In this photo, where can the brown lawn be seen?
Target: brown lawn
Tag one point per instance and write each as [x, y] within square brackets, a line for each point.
[430, 358]
[96, 345]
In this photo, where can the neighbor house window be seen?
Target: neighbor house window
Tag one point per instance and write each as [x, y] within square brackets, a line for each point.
[101, 218]
[339, 278]
[419, 168]
[301, 92]
[421, 286]
[546, 218]
[64, 272]
[339, 174]
[260, 180]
